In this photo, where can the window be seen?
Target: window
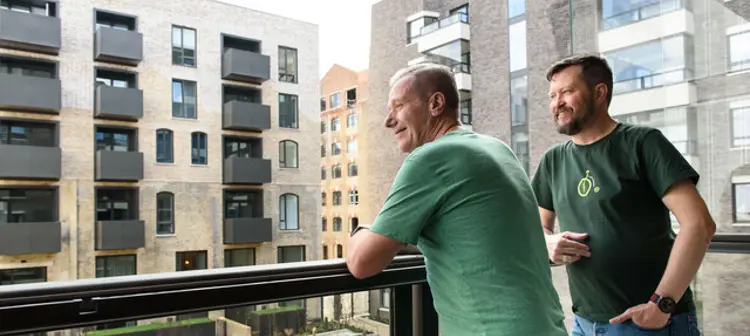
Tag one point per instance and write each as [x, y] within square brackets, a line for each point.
[115, 78]
[164, 146]
[287, 65]
[322, 150]
[165, 213]
[464, 109]
[325, 252]
[287, 254]
[351, 146]
[651, 64]
[17, 276]
[199, 145]
[414, 28]
[352, 169]
[354, 197]
[44, 8]
[288, 111]
[190, 261]
[289, 212]
[740, 127]
[351, 120]
[113, 266]
[114, 21]
[335, 148]
[353, 223]
[322, 127]
[618, 13]
[243, 147]
[241, 94]
[516, 8]
[739, 51]
[27, 67]
[26, 133]
[116, 204]
[184, 97]
[518, 101]
[336, 171]
[517, 38]
[28, 205]
[115, 139]
[741, 196]
[678, 124]
[335, 125]
[337, 224]
[336, 198]
[520, 145]
[288, 153]
[351, 98]
[239, 257]
[322, 104]
[335, 100]
[385, 298]
[243, 204]
[183, 46]
[322, 173]
[323, 197]
[339, 251]
[324, 224]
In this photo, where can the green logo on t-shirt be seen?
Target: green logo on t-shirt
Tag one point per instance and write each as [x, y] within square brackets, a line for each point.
[586, 184]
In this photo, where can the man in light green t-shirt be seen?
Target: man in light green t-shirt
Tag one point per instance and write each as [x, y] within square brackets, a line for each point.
[463, 199]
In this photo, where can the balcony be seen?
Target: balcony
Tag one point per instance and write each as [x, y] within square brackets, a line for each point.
[653, 92]
[239, 170]
[657, 27]
[119, 166]
[462, 74]
[81, 303]
[245, 66]
[30, 238]
[30, 32]
[247, 230]
[453, 28]
[32, 94]
[30, 162]
[246, 116]
[645, 12]
[120, 235]
[118, 103]
[118, 46]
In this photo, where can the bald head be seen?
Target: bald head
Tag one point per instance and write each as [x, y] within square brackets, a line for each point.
[428, 79]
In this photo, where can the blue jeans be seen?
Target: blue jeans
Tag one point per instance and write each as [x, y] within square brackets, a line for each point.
[685, 324]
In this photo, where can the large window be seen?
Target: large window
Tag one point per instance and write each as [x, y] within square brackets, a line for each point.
[517, 40]
[243, 204]
[464, 110]
[183, 46]
[28, 205]
[239, 257]
[287, 254]
[115, 78]
[27, 67]
[243, 147]
[741, 193]
[164, 146]
[289, 212]
[114, 21]
[739, 51]
[190, 261]
[618, 13]
[199, 148]
[519, 142]
[165, 213]
[335, 148]
[740, 127]
[27, 133]
[518, 101]
[288, 153]
[677, 124]
[337, 197]
[352, 169]
[115, 139]
[354, 197]
[113, 266]
[17, 276]
[184, 98]
[516, 8]
[337, 224]
[287, 65]
[288, 111]
[651, 64]
[336, 171]
[116, 204]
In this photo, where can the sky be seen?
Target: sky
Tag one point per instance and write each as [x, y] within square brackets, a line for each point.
[343, 25]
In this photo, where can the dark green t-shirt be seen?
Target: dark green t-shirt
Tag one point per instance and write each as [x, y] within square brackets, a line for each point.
[465, 201]
[612, 190]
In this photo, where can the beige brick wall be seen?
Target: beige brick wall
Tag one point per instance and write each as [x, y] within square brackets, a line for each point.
[197, 189]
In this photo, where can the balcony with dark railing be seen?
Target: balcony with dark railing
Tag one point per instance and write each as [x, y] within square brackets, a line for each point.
[287, 299]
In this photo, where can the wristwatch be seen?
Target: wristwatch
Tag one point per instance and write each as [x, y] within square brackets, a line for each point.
[666, 304]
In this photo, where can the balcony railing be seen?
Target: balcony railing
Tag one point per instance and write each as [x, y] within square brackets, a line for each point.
[445, 22]
[652, 81]
[88, 302]
[647, 11]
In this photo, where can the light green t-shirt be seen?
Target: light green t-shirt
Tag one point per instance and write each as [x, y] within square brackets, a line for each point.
[465, 201]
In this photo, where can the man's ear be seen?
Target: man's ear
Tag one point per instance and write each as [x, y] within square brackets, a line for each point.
[437, 104]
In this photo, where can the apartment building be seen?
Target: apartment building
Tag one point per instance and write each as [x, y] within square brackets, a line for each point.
[143, 136]
[682, 66]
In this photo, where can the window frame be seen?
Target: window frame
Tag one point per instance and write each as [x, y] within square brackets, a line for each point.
[284, 215]
[171, 223]
[182, 109]
[735, 186]
[285, 74]
[284, 152]
[182, 46]
[282, 111]
[733, 137]
[168, 136]
[193, 148]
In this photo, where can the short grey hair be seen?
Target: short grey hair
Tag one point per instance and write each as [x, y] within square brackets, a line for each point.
[430, 78]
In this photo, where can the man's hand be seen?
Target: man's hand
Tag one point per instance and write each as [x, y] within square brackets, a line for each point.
[563, 249]
[646, 315]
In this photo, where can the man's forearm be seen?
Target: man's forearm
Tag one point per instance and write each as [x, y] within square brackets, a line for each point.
[688, 251]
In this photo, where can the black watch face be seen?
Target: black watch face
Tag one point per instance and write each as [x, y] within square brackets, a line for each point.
[666, 305]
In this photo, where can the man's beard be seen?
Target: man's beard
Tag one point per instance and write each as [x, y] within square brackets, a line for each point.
[579, 120]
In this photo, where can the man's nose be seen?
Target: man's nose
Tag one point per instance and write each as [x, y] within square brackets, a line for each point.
[388, 121]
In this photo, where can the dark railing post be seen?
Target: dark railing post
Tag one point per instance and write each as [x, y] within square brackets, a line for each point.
[426, 323]
[401, 311]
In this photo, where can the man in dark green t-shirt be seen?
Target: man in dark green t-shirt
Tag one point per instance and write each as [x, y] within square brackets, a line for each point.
[612, 187]
[467, 204]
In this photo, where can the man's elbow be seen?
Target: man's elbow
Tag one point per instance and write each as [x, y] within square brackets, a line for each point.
[358, 268]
